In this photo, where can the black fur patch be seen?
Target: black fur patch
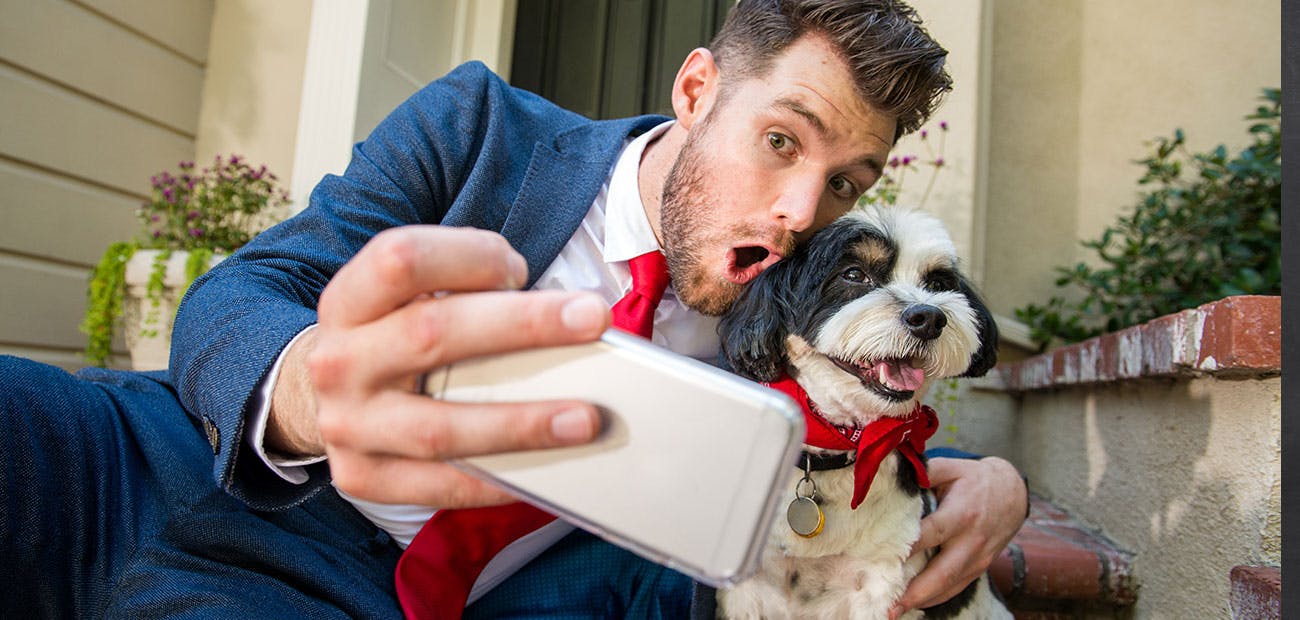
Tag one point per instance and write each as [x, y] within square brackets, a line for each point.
[987, 355]
[907, 481]
[955, 605]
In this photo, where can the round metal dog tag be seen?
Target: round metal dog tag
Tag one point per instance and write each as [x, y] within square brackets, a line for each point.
[805, 517]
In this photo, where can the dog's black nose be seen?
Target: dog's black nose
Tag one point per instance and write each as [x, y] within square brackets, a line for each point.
[924, 321]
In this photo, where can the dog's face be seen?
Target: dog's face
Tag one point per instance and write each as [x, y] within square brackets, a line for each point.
[865, 315]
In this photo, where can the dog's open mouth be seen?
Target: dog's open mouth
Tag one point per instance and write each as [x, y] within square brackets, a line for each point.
[892, 379]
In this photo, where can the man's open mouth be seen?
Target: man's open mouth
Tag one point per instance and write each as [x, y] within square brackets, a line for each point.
[744, 263]
[891, 379]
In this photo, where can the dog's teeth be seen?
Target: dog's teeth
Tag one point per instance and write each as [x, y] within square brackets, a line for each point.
[882, 374]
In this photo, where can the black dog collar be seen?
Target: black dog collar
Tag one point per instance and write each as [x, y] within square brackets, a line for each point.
[824, 462]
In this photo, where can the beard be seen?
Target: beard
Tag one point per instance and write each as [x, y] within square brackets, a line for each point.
[690, 225]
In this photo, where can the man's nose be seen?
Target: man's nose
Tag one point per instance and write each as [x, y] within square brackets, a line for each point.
[797, 207]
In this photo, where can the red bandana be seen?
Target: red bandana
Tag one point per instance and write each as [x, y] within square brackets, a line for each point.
[873, 443]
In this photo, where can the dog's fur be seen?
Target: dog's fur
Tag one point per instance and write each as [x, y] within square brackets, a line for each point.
[848, 294]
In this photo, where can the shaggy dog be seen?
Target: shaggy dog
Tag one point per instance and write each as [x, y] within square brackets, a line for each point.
[855, 326]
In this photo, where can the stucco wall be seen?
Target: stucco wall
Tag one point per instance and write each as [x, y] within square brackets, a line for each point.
[1184, 473]
[1077, 87]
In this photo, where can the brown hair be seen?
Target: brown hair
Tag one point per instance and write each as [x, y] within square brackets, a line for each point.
[898, 68]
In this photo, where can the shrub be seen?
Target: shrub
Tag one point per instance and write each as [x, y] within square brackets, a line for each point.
[1190, 239]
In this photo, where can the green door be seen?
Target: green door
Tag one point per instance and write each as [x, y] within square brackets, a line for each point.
[609, 58]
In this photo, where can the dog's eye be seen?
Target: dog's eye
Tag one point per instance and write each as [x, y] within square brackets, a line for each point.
[853, 274]
[941, 280]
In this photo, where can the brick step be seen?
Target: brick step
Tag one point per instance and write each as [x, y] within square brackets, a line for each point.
[1256, 593]
[1055, 568]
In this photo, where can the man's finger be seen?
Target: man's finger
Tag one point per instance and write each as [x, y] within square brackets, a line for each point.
[941, 580]
[419, 427]
[424, 483]
[934, 530]
[434, 332]
[402, 264]
[943, 471]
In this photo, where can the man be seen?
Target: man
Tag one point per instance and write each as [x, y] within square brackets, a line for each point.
[297, 358]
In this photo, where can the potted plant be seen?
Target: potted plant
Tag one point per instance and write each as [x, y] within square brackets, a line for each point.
[192, 221]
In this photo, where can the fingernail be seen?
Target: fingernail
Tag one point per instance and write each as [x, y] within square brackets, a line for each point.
[518, 272]
[583, 314]
[572, 426]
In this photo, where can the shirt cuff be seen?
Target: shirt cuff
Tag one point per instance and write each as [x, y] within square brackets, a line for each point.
[290, 469]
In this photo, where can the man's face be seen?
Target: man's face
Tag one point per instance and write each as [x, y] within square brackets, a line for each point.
[776, 159]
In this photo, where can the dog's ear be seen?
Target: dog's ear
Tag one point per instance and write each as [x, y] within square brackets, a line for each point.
[753, 332]
[987, 356]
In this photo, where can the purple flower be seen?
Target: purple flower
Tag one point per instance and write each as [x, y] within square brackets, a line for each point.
[893, 162]
[938, 162]
[924, 133]
[157, 233]
[167, 193]
[196, 232]
[193, 215]
[153, 218]
[943, 125]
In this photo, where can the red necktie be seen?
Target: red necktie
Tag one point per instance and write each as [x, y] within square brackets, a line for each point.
[635, 312]
[439, 568]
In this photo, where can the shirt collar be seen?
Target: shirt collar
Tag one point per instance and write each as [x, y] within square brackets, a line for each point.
[627, 229]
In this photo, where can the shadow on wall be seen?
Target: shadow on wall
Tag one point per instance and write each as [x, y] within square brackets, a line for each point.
[1179, 472]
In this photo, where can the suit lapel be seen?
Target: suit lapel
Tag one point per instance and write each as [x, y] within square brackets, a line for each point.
[560, 185]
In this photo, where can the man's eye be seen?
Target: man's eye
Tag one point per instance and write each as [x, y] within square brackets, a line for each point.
[843, 187]
[778, 142]
[853, 274]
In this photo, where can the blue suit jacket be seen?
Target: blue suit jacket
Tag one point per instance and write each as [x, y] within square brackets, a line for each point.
[466, 150]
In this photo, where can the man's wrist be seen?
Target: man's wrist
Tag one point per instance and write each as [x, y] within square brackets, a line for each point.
[291, 424]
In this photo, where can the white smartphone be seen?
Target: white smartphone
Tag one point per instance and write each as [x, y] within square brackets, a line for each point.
[690, 465]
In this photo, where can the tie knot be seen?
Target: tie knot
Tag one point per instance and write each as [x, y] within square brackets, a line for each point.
[649, 274]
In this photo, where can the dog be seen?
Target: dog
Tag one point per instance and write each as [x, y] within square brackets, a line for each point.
[855, 325]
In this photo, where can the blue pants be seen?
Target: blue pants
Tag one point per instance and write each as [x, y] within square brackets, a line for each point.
[108, 507]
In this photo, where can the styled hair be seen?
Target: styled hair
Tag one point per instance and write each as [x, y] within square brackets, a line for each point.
[898, 69]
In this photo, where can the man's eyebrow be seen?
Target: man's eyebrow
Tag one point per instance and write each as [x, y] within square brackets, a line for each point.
[798, 108]
[870, 162]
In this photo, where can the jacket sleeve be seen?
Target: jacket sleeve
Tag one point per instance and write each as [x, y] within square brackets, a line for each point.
[236, 319]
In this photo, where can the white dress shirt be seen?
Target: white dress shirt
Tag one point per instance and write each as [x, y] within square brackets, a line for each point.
[614, 230]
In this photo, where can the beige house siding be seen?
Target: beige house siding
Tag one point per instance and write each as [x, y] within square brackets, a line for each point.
[96, 96]
[1078, 89]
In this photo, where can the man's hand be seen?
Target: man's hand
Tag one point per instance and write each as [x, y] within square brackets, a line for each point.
[413, 299]
[982, 505]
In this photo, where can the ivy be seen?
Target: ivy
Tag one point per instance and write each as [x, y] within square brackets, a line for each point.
[104, 299]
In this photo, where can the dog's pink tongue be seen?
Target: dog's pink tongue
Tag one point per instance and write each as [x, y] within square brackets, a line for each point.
[900, 375]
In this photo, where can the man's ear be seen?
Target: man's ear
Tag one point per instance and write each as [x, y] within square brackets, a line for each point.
[695, 88]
